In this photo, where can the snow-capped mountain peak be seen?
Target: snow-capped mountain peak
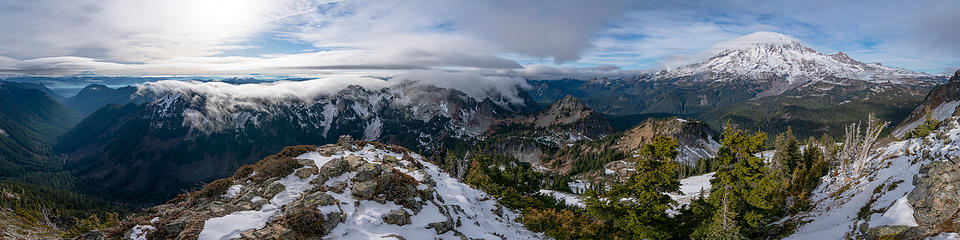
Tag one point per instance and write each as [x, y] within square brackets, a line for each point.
[768, 55]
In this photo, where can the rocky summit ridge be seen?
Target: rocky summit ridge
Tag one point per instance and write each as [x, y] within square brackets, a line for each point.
[349, 190]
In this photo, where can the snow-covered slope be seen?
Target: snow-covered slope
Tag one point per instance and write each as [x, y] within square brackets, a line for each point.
[880, 197]
[352, 190]
[943, 102]
[766, 55]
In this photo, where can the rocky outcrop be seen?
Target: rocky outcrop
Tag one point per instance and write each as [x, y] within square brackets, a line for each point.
[695, 138]
[936, 199]
[349, 190]
[564, 122]
[568, 119]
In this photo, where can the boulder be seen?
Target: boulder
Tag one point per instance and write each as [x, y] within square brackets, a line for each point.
[441, 227]
[936, 198]
[365, 190]
[367, 172]
[273, 188]
[337, 186]
[306, 172]
[319, 199]
[397, 217]
[333, 168]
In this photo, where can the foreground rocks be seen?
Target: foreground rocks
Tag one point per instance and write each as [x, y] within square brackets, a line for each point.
[352, 190]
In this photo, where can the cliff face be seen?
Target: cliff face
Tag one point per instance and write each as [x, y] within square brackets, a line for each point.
[572, 116]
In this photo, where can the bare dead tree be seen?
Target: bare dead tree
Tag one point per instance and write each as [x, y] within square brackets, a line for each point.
[858, 144]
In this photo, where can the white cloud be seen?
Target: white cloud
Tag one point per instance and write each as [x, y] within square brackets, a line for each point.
[199, 37]
[235, 96]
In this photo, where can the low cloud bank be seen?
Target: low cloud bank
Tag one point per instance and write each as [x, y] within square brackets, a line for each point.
[224, 105]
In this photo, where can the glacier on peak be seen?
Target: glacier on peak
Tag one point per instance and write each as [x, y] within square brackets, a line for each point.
[769, 55]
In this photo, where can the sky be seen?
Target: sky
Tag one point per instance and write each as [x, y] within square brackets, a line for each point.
[533, 39]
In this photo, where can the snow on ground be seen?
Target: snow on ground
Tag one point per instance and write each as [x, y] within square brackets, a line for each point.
[690, 189]
[900, 214]
[568, 198]
[579, 186]
[892, 168]
[945, 236]
[364, 219]
[940, 113]
[230, 226]
[140, 231]
[232, 191]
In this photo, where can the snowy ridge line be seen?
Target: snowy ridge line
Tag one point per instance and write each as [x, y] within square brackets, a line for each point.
[450, 209]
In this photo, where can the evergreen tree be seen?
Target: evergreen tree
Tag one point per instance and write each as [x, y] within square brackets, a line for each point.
[742, 194]
[637, 207]
[928, 125]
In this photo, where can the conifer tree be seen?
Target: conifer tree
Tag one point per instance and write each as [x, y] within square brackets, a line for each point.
[742, 193]
[637, 207]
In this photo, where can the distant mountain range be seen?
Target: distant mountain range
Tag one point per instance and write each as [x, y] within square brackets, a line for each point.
[187, 138]
[764, 81]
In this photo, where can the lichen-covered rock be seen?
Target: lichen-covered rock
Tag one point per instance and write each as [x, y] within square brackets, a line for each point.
[273, 188]
[441, 227]
[306, 172]
[936, 199]
[333, 168]
[365, 190]
[397, 217]
[319, 199]
[338, 186]
[367, 172]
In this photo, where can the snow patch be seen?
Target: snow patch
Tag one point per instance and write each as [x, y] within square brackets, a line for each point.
[230, 226]
[945, 236]
[232, 191]
[140, 232]
[690, 189]
[900, 214]
[569, 199]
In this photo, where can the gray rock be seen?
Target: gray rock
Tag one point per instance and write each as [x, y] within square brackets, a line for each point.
[333, 219]
[886, 232]
[333, 168]
[354, 161]
[936, 198]
[272, 189]
[337, 186]
[306, 172]
[174, 228]
[397, 217]
[441, 227]
[365, 190]
[319, 199]
[366, 172]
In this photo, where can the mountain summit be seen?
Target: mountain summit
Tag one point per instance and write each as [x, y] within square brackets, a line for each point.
[771, 56]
